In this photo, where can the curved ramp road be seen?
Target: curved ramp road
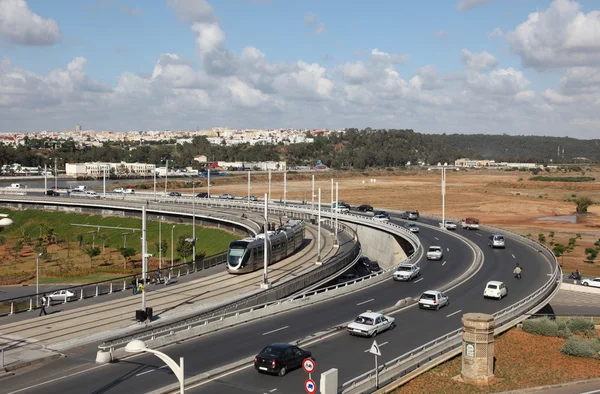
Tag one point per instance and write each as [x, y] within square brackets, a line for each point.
[142, 374]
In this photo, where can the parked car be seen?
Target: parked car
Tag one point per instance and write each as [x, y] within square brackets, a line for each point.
[450, 225]
[495, 289]
[591, 282]
[364, 208]
[369, 324]
[371, 266]
[279, 358]
[174, 194]
[497, 241]
[433, 299]
[407, 272]
[202, 195]
[435, 253]
[61, 295]
[51, 192]
[412, 227]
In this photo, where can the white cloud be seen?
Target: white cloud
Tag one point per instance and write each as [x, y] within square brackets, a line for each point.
[478, 61]
[385, 58]
[496, 33]
[19, 25]
[468, 4]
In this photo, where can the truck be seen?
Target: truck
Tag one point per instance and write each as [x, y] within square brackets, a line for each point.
[470, 224]
[80, 188]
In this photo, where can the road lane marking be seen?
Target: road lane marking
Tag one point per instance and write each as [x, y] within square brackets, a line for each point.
[454, 313]
[479, 234]
[448, 249]
[513, 256]
[418, 280]
[436, 238]
[278, 329]
[444, 262]
[380, 345]
[364, 302]
[591, 392]
[272, 390]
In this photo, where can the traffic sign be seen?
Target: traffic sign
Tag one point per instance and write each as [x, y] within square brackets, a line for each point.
[310, 386]
[308, 365]
[375, 349]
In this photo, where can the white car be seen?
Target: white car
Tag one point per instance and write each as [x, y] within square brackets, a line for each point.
[433, 299]
[61, 295]
[119, 190]
[591, 282]
[495, 289]
[129, 191]
[497, 241]
[381, 218]
[91, 194]
[341, 210]
[435, 253]
[413, 228]
[407, 272]
[450, 225]
[369, 324]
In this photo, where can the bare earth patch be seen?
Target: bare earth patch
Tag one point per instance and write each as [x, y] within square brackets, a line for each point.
[522, 360]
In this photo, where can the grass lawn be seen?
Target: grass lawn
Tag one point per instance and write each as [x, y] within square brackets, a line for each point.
[522, 360]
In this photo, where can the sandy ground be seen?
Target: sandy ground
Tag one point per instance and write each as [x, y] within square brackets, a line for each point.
[506, 199]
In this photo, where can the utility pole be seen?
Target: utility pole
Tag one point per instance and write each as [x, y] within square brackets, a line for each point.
[160, 242]
[154, 184]
[285, 189]
[104, 182]
[194, 223]
[248, 190]
[444, 197]
[55, 175]
[312, 204]
[208, 177]
[319, 232]
[265, 284]
[144, 257]
[45, 178]
[337, 209]
[166, 175]
[269, 185]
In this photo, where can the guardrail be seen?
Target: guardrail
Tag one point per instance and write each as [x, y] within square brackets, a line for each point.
[90, 290]
[449, 345]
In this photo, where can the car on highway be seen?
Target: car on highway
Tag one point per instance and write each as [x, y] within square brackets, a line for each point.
[251, 198]
[340, 209]
[413, 228]
[91, 194]
[364, 208]
[495, 289]
[174, 194]
[61, 295]
[119, 190]
[407, 272]
[202, 195]
[383, 213]
[435, 253]
[497, 241]
[381, 218]
[433, 299]
[409, 215]
[129, 191]
[591, 282]
[369, 324]
[450, 225]
[226, 196]
[279, 358]
[51, 192]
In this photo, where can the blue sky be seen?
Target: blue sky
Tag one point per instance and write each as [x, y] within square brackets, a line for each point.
[130, 35]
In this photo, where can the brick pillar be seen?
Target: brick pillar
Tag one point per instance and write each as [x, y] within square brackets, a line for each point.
[477, 348]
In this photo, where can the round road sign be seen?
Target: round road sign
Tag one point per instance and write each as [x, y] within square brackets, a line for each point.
[310, 386]
[308, 365]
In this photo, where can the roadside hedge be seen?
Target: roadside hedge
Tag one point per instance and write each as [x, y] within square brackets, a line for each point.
[546, 327]
[579, 347]
[579, 325]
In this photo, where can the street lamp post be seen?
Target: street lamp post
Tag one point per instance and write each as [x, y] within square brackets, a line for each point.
[137, 346]
[269, 185]
[312, 195]
[337, 209]
[443, 197]
[37, 273]
[144, 257]
[166, 175]
[285, 189]
[160, 242]
[248, 190]
[45, 178]
[332, 206]
[155, 184]
[319, 231]
[208, 177]
[104, 182]
[194, 224]
[172, 228]
[265, 284]
[55, 175]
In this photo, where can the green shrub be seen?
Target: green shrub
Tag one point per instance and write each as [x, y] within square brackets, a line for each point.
[579, 347]
[541, 326]
[579, 325]
[563, 330]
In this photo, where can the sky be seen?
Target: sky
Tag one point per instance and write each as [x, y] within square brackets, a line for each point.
[520, 67]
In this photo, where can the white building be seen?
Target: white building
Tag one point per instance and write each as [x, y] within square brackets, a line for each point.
[260, 165]
[97, 169]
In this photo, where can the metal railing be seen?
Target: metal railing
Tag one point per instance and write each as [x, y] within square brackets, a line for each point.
[30, 302]
[452, 342]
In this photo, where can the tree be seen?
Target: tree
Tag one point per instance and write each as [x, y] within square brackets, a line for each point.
[542, 238]
[184, 248]
[559, 250]
[591, 253]
[92, 252]
[127, 254]
[582, 203]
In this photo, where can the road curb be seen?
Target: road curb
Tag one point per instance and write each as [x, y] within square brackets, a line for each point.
[24, 364]
[552, 386]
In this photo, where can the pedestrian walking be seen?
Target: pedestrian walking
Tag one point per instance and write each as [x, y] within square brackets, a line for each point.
[43, 301]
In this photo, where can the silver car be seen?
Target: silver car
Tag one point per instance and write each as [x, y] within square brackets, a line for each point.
[497, 241]
[61, 295]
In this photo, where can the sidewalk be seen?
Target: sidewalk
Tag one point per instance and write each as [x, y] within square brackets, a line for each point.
[44, 337]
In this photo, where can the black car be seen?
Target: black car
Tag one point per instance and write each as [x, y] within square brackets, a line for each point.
[365, 208]
[51, 192]
[174, 194]
[371, 266]
[279, 358]
[202, 195]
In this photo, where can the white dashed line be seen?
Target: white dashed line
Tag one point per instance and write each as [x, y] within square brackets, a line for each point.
[513, 256]
[279, 329]
[444, 262]
[364, 302]
[437, 239]
[380, 345]
[418, 280]
[448, 249]
[479, 234]
[273, 390]
[152, 370]
[454, 313]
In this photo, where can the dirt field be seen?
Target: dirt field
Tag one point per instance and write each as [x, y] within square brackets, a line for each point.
[506, 199]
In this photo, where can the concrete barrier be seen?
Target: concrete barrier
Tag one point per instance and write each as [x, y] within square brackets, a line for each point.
[580, 288]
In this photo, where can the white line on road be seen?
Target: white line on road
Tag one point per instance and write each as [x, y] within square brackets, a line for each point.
[436, 238]
[479, 234]
[591, 392]
[364, 302]
[380, 345]
[448, 249]
[279, 329]
[513, 256]
[152, 370]
[444, 263]
[454, 313]
[418, 280]
[272, 390]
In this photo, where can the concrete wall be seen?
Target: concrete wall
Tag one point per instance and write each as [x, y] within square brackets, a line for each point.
[381, 247]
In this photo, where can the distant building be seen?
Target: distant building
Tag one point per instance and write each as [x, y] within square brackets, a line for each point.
[97, 169]
[202, 159]
[260, 165]
[468, 163]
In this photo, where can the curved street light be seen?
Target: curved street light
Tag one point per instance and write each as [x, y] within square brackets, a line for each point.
[137, 346]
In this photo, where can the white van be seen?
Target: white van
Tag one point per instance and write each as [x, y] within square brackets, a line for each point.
[15, 186]
[80, 188]
[129, 191]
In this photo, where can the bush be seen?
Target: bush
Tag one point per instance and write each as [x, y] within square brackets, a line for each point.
[580, 325]
[578, 347]
[546, 327]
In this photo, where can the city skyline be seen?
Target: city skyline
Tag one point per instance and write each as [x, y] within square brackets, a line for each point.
[469, 66]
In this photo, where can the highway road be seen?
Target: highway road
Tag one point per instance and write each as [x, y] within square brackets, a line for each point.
[143, 373]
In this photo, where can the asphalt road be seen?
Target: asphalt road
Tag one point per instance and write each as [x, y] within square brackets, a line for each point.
[141, 374]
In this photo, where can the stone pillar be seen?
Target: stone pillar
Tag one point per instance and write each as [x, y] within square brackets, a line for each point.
[478, 348]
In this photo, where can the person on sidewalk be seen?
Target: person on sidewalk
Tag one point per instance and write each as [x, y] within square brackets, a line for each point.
[43, 301]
